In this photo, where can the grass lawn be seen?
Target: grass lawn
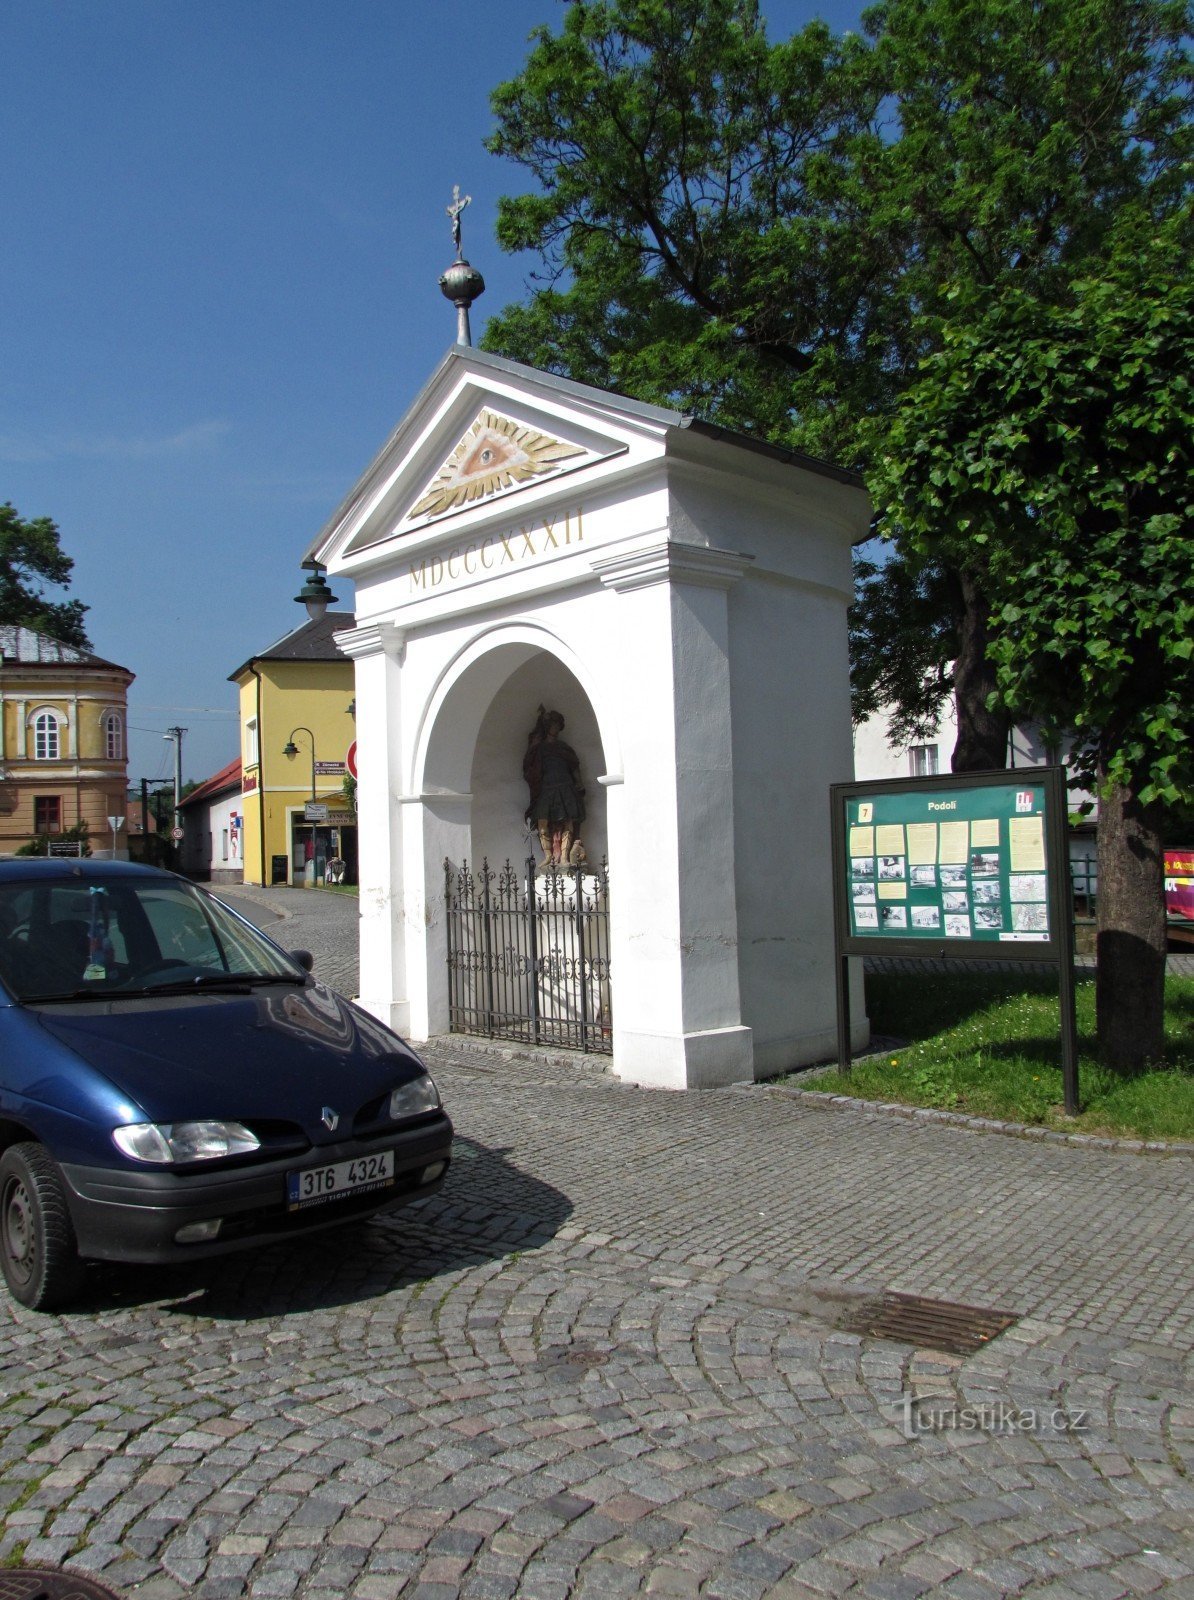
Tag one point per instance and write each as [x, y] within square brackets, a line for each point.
[989, 1044]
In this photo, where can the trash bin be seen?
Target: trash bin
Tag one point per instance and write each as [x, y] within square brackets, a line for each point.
[278, 866]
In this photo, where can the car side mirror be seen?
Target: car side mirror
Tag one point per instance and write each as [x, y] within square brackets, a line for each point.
[304, 958]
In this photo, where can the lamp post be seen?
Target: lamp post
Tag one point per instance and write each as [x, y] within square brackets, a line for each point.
[290, 750]
[315, 594]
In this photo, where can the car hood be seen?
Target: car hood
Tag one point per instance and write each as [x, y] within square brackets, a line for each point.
[282, 1053]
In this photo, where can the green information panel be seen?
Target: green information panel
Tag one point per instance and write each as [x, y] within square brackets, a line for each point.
[948, 861]
[974, 866]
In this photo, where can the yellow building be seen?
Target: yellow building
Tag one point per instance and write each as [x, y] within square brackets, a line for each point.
[63, 741]
[297, 730]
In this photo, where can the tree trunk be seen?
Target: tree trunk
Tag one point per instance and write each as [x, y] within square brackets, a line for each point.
[1130, 943]
[982, 734]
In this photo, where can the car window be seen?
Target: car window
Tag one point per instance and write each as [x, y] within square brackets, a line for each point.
[180, 934]
[124, 935]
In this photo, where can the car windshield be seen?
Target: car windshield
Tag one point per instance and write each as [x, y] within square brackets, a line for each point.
[127, 936]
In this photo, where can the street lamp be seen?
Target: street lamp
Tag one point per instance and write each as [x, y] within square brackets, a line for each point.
[315, 594]
[291, 749]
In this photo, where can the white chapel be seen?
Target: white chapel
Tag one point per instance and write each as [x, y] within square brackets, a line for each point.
[678, 594]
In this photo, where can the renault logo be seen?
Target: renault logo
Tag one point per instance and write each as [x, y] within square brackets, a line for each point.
[329, 1118]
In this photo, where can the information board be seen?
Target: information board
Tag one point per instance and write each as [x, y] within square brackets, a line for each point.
[972, 866]
[936, 863]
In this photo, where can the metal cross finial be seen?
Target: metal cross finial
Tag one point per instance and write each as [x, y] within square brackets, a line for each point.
[458, 204]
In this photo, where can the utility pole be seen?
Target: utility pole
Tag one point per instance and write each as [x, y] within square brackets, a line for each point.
[176, 735]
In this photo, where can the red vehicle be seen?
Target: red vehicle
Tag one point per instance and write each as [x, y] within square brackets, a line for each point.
[1179, 893]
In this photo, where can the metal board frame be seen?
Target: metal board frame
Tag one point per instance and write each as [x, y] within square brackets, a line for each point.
[912, 797]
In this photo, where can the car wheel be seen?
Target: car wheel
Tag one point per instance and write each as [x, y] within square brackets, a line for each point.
[37, 1240]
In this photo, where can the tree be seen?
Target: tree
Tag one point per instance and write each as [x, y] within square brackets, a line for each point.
[161, 804]
[30, 558]
[774, 234]
[919, 636]
[1025, 130]
[1049, 444]
[700, 213]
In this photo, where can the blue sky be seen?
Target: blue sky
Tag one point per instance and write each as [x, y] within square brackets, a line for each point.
[224, 224]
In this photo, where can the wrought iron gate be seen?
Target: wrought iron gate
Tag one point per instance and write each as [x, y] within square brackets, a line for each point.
[528, 956]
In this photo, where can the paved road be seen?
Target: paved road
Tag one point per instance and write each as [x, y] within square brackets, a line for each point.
[607, 1361]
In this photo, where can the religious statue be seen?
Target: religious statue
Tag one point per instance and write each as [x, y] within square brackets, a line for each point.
[459, 202]
[557, 805]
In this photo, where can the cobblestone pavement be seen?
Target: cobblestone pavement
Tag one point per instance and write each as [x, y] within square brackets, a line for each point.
[607, 1360]
[319, 920]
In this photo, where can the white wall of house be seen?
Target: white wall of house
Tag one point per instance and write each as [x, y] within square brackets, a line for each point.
[212, 839]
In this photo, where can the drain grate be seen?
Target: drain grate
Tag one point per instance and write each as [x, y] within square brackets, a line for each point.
[928, 1324]
[49, 1583]
[573, 1358]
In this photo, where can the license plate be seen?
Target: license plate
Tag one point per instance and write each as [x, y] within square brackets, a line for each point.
[312, 1186]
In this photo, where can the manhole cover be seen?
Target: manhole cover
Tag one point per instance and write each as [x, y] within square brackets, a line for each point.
[928, 1324]
[50, 1583]
[573, 1358]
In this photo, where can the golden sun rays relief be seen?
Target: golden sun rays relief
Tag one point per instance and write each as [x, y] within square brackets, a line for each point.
[494, 454]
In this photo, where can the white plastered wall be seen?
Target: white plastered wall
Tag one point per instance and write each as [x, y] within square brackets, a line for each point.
[691, 628]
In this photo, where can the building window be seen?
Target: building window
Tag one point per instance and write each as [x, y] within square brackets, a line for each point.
[225, 842]
[251, 751]
[47, 813]
[46, 744]
[113, 737]
[924, 760]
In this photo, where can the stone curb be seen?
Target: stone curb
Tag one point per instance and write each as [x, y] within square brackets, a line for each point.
[250, 891]
[958, 1119]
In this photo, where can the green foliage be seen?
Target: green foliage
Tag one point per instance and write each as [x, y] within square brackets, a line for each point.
[39, 845]
[776, 234]
[30, 558]
[697, 211]
[1024, 129]
[161, 803]
[903, 639]
[1050, 442]
[987, 1044]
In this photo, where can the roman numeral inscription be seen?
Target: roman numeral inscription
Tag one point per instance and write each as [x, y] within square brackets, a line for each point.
[498, 550]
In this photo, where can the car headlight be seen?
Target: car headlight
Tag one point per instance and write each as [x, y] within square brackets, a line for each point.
[410, 1099]
[184, 1141]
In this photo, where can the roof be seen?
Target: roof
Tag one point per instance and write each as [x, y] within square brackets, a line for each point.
[663, 416]
[27, 647]
[311, 641]
[219, 783]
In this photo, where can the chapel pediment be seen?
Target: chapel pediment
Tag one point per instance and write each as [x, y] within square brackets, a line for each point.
[495, 453]
[483, 432]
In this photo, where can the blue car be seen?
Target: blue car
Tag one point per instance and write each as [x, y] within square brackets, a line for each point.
[174, 1085]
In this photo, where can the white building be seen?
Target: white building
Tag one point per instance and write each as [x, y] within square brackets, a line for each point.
[212, 819]
[679, 594]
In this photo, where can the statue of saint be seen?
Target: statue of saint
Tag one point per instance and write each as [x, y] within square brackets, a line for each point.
[557, 805]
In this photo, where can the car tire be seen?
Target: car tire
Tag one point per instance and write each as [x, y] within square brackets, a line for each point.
[38, 1252]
